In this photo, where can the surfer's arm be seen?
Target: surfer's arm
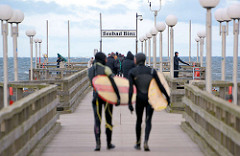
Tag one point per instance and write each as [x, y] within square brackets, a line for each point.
[114, 86]
[161, 86]
[130, 91]
[183, 61]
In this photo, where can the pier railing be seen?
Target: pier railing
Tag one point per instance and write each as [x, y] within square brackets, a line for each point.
[70, 89]
[71, 65]
[53, 73]
[177, 86]
[220, 88]
[25, 124]
[212, 122]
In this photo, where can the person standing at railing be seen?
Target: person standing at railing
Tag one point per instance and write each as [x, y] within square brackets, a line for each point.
[99, 68]
[58, 62]
[176, 64]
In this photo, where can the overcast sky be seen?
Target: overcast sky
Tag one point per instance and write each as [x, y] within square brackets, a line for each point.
[117, 14]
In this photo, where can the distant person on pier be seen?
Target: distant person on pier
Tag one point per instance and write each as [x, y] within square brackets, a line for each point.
[111, 63]
[176, 64]
[119, 63]
[128, 64]
[99, 68]
[141, 76]
[90, 62]
[58, 62]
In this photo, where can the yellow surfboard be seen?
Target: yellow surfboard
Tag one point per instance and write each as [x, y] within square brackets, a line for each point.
[156, 98]
[106, 92]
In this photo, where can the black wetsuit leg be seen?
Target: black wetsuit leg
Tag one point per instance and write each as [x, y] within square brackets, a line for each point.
[176, 72]
[108, 117]
[149, 113]
[139, 113]
[97, 111]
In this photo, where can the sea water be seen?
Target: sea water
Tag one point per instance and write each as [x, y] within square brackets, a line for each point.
[24, 66]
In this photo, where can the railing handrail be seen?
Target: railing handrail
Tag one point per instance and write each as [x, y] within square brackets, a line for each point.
[19, 105]
[75, 75]
[225, 105]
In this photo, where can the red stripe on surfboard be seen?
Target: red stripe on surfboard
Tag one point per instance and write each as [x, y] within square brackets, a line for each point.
[105, 88]
[108, 101]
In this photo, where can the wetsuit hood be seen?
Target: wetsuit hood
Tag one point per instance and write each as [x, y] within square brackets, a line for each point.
[130, 56]
[100, 57]
[140, 59]
[176, 54]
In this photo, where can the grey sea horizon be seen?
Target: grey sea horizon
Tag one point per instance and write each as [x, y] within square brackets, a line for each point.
[24, 65]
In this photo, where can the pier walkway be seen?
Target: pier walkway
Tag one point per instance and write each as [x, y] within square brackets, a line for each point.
[76, 136]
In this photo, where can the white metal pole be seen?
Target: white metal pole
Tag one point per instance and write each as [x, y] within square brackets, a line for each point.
[168, 44]
[209, 52]
[47, 40]
[155, 17]
[197, 51]
[36, 51]
[142, 47]
[154, 51]
[223, 51]
[149, 51]
[171, 52]
[235, 61]
[201, 51]
[190, 39]
[136, 33]
[31, 51]
[68, 43]
[146, 48]
[5, 63]
[39, 55]
[14, 36]
[160, 52]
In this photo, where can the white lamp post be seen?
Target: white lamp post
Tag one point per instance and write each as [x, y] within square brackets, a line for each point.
[5, 14]
[155, 11]
[234, 13]
[197, 39]
[209, 4]
[171, 21]
[30, 34]
[145, 39]
[138, 17]
[36, 51]
[222, 16]
[160, 27]
[141, 40]
[154, 33]
[201, 35]
[40, 42]
[149, 36]
[17, 18]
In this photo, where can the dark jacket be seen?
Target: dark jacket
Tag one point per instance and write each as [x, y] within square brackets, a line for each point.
[128, 64]
[176, 62]
[111, 63]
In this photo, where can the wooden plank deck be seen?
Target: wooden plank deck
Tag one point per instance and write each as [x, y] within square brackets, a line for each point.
[76, 138]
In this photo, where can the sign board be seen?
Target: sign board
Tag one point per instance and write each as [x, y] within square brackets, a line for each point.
[119, 33]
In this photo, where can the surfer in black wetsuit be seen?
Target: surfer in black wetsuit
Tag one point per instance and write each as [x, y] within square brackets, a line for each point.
[141, 76]
[99, 68]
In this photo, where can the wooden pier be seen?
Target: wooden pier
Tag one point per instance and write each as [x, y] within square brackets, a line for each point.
[59, 99]
[76, 136]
